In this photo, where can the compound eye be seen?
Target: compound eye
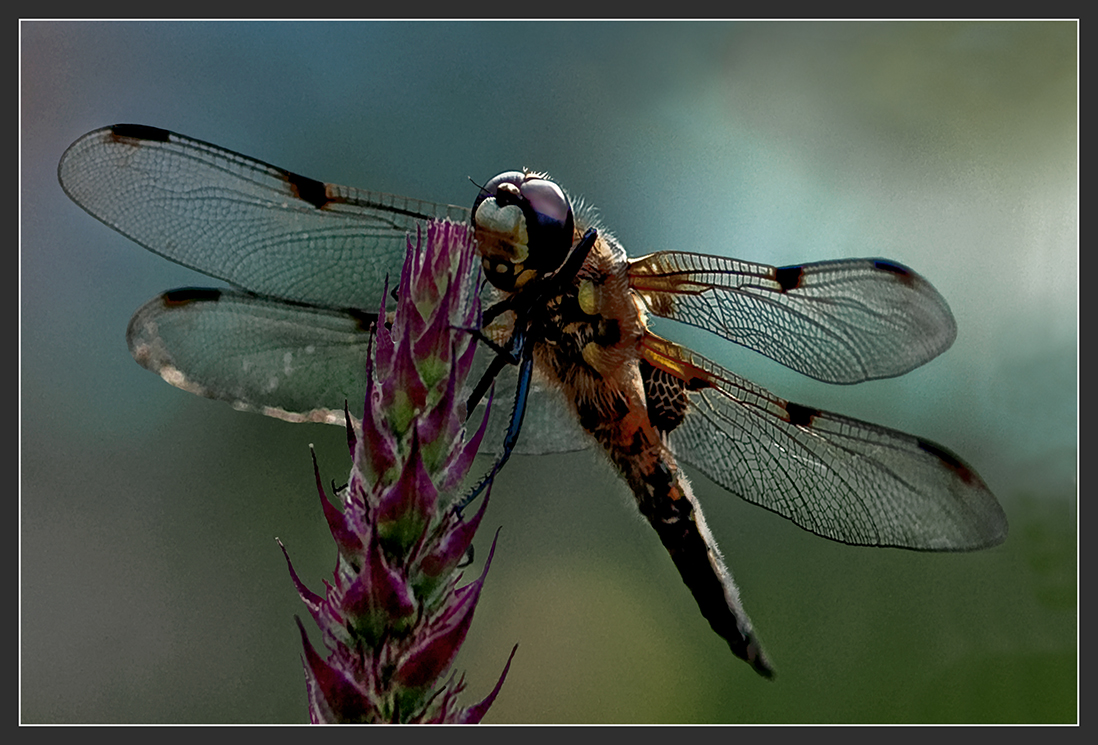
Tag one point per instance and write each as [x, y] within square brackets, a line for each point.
[547, 199]
[524, 227]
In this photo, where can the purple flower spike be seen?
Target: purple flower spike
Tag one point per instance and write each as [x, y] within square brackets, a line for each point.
[394, 617]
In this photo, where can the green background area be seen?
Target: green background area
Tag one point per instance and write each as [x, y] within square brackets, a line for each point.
[152, 587]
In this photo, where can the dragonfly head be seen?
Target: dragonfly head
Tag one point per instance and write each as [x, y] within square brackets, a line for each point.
[524, 226]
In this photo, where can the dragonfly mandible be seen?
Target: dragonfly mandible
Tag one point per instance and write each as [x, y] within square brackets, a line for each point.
[307, 262]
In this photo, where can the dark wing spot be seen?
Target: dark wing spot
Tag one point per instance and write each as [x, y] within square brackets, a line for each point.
[191, 295]
[901, 272]
[308, 189]
[139, 132]
[891, 266]
[789, 277]
[951, 461]
[801, 416]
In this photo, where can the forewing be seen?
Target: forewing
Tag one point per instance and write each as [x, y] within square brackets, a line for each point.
[302, 363]
[253, 225]
[838, 477]
[837, 321]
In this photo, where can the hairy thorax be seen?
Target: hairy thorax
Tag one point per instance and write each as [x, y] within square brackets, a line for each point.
[587, 344]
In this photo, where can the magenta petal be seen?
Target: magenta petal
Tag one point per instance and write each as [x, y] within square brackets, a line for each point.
[381, 354]
[347, 541]
[376, 450]
[407, 385]
[454, 543]
[436, 428]
[462, 459]
[409, 285]
[433, 344]
[394, 617]
[333, 696]
[436, 649]
[464, 362]
[377, 600]
[319, 608]
[312, 601]
[433, 656]
[405, 507]
[476, 712]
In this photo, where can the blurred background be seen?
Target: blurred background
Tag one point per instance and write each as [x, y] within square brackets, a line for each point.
[152, 587]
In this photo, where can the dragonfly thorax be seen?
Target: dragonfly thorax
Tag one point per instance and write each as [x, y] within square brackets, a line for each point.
[524, 228]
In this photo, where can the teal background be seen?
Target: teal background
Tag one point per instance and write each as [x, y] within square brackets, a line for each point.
[152, 589]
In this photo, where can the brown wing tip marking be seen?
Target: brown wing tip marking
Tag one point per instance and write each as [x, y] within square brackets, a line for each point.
[308, 189]
[901, 272]
[190, 295]
[129, 132]
[955, 464]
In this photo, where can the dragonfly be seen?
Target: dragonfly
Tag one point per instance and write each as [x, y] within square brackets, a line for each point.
[306, 263]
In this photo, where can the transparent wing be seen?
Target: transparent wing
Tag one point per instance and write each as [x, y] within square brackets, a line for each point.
[303, 363]
[837, 321]
[255, 226]
[838, 477]
[296, 363]
[548, 426]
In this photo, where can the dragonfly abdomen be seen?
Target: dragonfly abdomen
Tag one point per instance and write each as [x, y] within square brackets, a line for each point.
[589, 345]
[665, 499]
[619, 420]
[686, 537]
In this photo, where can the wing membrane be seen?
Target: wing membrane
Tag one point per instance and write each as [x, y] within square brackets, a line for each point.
[837, 321]
[258, 354]
[256, 226]
[838, 477]
[302, 363]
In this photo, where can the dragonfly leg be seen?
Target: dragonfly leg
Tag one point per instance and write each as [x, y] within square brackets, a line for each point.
[522, 390]
[501, 360]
